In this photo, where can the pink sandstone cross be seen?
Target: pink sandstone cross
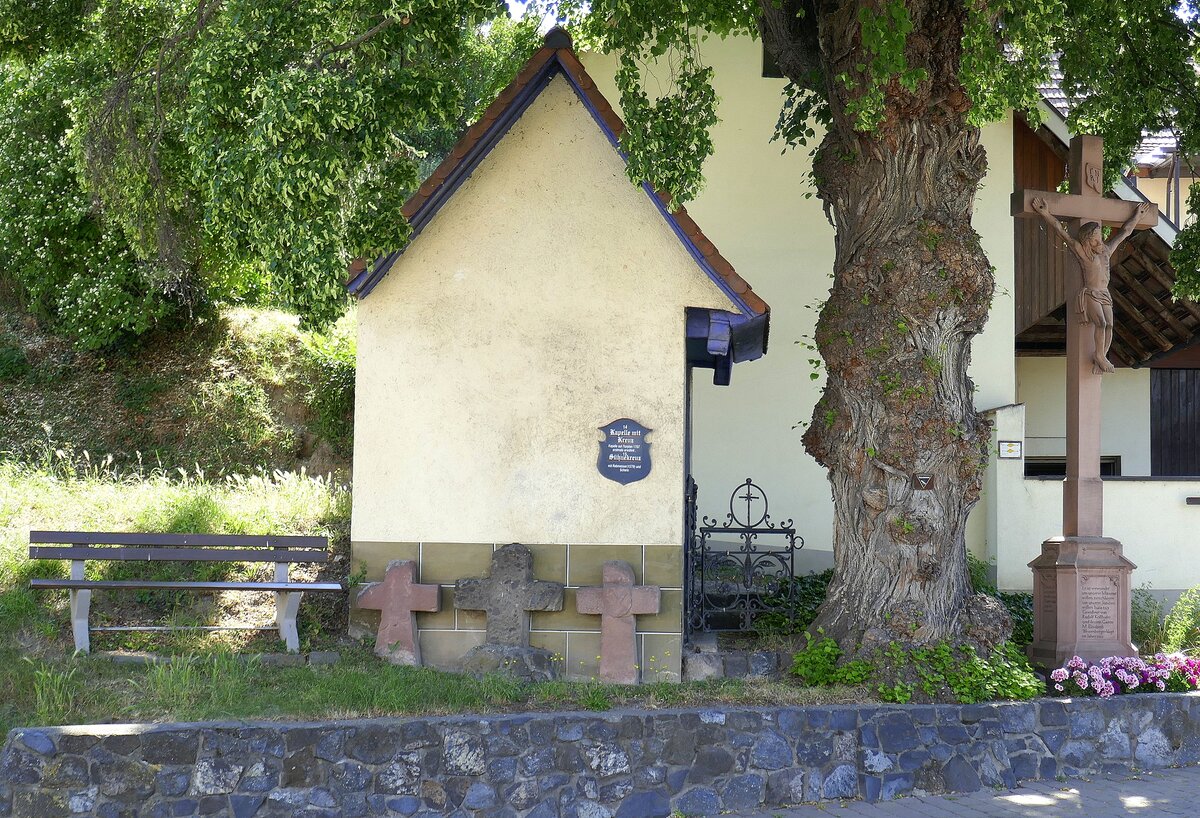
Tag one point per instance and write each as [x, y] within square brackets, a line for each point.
[396, 598]
[1081, 578]
[1082, 492]
[617, 601]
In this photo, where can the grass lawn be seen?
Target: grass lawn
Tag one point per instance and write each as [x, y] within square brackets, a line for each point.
[214, 676]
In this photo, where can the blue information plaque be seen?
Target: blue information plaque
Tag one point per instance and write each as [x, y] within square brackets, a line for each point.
[624, 452]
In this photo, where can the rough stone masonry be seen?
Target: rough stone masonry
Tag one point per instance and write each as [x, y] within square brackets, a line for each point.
[620, 764]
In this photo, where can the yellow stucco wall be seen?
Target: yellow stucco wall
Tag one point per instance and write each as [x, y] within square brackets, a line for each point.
[757, 208]
[544, 300]
[1161, 189]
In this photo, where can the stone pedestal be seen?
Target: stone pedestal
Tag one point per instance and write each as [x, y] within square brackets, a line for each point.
[1081, 601]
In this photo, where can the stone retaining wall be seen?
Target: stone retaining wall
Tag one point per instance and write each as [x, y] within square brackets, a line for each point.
[628, 764]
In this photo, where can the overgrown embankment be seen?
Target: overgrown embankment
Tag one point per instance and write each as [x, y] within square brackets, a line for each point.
[244, 392]
[237, 424]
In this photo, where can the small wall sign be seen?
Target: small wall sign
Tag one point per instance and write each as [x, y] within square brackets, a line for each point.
[922, 481]
[1010, 449]
[624, 451]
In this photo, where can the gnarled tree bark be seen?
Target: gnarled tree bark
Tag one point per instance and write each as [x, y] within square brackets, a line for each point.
[912, 287]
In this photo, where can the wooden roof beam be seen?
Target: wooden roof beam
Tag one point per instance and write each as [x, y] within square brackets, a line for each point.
[1146, 324]
[1151, 301]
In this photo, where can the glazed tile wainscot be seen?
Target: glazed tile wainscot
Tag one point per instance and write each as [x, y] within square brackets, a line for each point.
[627, 764]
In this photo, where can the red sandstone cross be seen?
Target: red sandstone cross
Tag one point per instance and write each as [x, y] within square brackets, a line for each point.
[396, 598]
[617, 601]
[1083, 492]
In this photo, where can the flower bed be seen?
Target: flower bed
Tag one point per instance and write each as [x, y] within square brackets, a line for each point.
[1112, 675]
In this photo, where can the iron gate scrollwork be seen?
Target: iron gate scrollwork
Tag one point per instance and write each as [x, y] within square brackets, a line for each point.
[728, 585]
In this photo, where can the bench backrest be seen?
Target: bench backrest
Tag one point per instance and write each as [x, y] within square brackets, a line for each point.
[99, 545]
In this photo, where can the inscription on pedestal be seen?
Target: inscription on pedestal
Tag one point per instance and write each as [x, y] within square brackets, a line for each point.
[1098, 601]
[1081, 601]
[1048, 595]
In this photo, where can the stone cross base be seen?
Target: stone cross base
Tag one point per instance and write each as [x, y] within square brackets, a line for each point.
[527, 664]
[1081, 601]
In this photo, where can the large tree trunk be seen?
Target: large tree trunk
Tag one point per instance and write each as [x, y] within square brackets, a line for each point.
[912, 287]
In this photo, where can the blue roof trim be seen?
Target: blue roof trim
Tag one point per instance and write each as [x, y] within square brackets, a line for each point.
[662, 209]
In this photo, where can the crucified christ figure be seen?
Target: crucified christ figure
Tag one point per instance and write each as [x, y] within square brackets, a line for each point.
[1094, 255]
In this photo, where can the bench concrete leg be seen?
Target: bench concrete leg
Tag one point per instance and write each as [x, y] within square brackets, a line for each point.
[81, 604]
[286, 606]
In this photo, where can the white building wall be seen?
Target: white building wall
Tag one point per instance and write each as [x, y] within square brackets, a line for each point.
[761, 211]
[1157, 528]
[1125, 420]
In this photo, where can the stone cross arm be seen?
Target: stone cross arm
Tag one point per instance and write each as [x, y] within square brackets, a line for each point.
[619, 600]
[480, 594]
[472, 594]
[1110, 212]
[544, 596]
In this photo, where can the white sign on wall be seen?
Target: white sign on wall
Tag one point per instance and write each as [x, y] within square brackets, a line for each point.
[1010, 449]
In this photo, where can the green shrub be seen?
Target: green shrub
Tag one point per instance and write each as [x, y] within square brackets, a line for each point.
[978, 571]
[794, 605]
[1020, 608]
[1019, 604]
[942, 671]
[1181, 630]
[1146, 622]
[68, 264]
[330, 359]
[13, 363]
[816, 664]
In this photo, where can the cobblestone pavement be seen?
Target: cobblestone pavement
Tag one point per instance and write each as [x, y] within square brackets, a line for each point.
[1161, 792]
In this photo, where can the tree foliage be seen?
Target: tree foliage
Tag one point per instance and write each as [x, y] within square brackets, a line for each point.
[62, 259]
[216, 150]
[200, 151]
[1129, 66]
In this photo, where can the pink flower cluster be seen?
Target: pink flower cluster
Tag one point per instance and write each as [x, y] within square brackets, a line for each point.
[1126, 674]
[1185, 671]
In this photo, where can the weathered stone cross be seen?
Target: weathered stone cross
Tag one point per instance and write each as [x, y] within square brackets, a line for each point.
[396, 599]
[617, 601]
[507, 595]
[1071, 617]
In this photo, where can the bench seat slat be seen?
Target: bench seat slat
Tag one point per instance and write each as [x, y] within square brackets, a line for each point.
[193, 540]
[169, 554]
[112, 584]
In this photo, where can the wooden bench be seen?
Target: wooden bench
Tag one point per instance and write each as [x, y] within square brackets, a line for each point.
[81, 546]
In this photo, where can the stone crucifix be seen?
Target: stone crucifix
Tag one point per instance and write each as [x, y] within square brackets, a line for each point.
[617, 602]
[507, 595]
[1070, 615]
[396, 599]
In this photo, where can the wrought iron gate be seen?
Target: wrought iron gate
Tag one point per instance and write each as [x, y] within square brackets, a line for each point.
[728, 585]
